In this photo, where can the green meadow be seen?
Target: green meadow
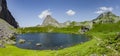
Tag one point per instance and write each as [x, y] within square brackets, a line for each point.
[105, 40]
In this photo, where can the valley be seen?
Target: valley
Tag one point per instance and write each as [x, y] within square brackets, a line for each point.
[97, 37]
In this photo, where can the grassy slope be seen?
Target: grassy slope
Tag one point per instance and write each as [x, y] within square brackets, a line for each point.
[106, 35]
[86, 49]
[74, 29]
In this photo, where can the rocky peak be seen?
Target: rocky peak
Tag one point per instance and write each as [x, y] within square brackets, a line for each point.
[107, 17]
[108, 14]
[6, 15]
[48, 16]
[49, 21]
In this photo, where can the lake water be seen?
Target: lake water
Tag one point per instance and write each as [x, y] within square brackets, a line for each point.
[49, 41]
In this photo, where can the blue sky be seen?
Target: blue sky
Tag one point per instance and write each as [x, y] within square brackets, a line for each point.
[32, 12]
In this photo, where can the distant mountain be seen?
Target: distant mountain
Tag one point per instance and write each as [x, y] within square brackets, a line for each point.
[107, 17]
[6, 15]
[49, 21]
[65, 24]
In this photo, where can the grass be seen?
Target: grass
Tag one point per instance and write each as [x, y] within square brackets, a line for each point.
[93, 47]
[74, 29]
[106, 28]
[109, 36]
[85, 49]
[78, 50]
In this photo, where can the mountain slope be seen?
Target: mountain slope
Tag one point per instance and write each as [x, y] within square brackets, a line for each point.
[5, 27]
[6, 32]
[7, 24]
[6, 15]
[107, 17]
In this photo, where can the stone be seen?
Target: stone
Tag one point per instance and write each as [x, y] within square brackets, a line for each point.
[93, 55]
[38, 44]
[21, 41]
[11, 42]
[2, 45]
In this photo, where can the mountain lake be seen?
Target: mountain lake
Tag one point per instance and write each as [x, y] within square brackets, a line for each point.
[49, 41]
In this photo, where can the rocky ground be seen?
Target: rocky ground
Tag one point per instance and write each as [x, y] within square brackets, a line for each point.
[7, 24]
[6, 32]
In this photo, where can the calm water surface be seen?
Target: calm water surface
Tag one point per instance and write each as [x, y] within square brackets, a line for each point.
[52, 41]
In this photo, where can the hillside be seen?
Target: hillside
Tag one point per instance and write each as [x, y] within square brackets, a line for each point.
[6, 15]
[106, 28]
[7, 24]
[6, 32]
[107, 36]
[107, 17]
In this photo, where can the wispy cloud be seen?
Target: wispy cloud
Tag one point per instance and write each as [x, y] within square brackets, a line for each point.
[103, 9]
[70, 12]
[44, 13]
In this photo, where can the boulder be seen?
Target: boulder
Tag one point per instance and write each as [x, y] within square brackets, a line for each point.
[2, 45]
[21, 41]
[38, 44]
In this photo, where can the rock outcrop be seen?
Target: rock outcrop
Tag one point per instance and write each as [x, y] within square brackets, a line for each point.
[107, 17]
[7, 24]
[6, 15]
[86, 26]
[6, 32]
[49, 21]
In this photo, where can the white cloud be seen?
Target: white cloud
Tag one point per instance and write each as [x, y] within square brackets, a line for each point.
[106, 8]
[70, 12]
[44, 13]
[99, 12]
[103, 9]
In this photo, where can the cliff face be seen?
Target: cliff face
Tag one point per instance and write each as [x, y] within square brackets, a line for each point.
[6, 15]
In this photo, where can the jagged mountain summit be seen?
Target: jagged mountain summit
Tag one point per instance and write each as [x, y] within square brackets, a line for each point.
[49, 21]
[107, 17]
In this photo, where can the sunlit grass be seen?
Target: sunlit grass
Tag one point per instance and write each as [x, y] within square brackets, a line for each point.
[91, 47]
[80, 49]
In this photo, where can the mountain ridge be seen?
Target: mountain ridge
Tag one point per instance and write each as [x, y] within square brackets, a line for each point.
[107, 17]
[7, 24]
[6, 15]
